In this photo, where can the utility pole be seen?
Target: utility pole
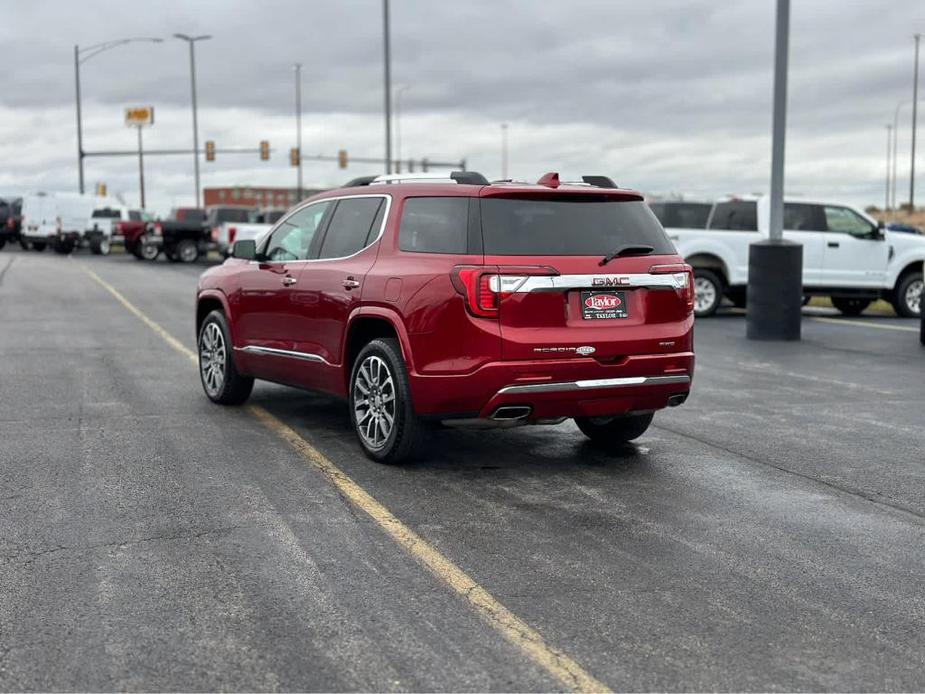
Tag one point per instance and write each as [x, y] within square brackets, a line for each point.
[504, 151]
[889, 144]
[775, 266]
[191, 40]
[387, 59]
[298, 121]
[915, 113]
[141, 168]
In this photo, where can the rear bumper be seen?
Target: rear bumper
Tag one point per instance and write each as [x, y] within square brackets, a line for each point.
[558, 388]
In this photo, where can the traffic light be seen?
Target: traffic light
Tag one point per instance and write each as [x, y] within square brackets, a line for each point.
[210, 150]
[342, 158]
[264, 150]
[294, 156]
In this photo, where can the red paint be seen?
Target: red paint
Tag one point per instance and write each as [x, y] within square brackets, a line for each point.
[462, 340]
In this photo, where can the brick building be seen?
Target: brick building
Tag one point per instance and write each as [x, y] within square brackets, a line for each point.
[255, 196]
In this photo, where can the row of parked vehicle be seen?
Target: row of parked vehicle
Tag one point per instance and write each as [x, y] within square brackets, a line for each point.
[847, 255]
[65, 222]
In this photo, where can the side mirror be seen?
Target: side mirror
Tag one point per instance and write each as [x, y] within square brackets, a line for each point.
[245, 249]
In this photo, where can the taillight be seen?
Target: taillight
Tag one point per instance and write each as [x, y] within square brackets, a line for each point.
[486, 286]
[157, 230]
[683, 276]
[118, 227]
[232, 232]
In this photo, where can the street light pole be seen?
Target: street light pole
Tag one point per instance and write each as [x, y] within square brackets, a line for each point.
[191, 40]
[141, 168]
[401, 90]
[504, 151]
[387, 59]
[87, 53]
[298, 121]
[775, 266]
[889, 143]
[915, 113]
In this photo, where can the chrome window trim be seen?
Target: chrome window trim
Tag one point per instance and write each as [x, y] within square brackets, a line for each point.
[385, 219]
[273, 352]
[551, 283]
[566, 386]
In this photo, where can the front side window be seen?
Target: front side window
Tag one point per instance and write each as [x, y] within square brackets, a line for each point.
[292, 239]
[351, 228]
[434, 225]
[844, 221]
[736, 215]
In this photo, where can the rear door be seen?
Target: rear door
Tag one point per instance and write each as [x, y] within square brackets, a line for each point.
[554, 298]
[805, 224]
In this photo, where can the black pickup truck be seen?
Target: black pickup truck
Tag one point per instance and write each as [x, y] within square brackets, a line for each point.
[188, 232]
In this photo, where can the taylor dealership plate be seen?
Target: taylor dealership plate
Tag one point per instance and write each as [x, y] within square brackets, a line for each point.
[603, 305]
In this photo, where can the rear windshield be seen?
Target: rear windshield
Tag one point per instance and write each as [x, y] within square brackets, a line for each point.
[106, 213]
[230, 214]
[187, 214]
[689, 215]
[568, 226]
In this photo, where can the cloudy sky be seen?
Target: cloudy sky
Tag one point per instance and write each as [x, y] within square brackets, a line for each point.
[664, 96]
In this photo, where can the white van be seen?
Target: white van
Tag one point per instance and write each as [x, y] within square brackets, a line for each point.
[57, 219]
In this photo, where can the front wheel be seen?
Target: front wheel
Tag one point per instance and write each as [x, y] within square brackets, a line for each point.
[381, 410]
[907, 299]
[850, 307]
[614, 430]
[148, 251]
[220, 378]
[708, 292]
[100, 246]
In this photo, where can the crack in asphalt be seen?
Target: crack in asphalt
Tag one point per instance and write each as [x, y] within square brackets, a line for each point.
[5, 268]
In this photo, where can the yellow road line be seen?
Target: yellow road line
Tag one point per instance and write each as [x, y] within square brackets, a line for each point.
[515, 630]
[864, 324]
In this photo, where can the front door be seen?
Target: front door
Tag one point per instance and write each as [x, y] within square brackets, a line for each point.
[856, 255]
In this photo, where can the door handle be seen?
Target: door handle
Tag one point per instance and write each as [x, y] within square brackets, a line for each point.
[834, 244]
[350, 283]
[289, 281]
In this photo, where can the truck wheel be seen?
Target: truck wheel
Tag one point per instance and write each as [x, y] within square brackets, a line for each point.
[381, 410]
[148, 251]
[63, 247]
[2, 243]
[907, 299]
[850, 307]
[187, 251]
[38, 246]
[708, 292]
[610, 430]
[220, 378]
[24, 244]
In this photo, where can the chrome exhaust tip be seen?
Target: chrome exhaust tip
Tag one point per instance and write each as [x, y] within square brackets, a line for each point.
[677, 399]
[511, 413]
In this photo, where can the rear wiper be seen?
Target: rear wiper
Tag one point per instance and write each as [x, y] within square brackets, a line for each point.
[627, 249]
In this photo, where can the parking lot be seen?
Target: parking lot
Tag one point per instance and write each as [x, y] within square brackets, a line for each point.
[767, 535]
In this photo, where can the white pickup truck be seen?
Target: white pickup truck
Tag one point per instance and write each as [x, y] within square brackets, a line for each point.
[846, 255]
[230, 224]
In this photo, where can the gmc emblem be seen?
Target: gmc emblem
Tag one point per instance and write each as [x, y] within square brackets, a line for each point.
[609, 281]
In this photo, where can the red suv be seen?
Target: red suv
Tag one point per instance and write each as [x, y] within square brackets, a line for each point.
[458, 301]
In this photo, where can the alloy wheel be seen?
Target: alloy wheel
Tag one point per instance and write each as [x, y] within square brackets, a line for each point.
[188, 252]
[212, 357]
[704, 294]
[374, 401]
[913, 297]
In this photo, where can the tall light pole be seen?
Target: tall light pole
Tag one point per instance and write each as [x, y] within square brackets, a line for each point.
[775, 266]
[504, 151]
[298, 126]
[82, 55]
[191, 40]
[398, 92]
[889, 144]
[915, 113]
[387, 60]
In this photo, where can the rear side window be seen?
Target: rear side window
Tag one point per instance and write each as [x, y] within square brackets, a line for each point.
[735, 216]
[687, 215]
[351, 227]
[434, 225]
[803, 217]
[566, 226]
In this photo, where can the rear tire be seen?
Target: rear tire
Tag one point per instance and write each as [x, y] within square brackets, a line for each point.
[100, 246]
[187, 251]
[220, 379]
[38, 246]
[614, 430]
[381, 410]
[850, 307]
[708, 292]
[63, 247]
[907, 299]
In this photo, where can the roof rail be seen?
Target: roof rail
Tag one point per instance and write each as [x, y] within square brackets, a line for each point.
[361, 181]
[461, 177]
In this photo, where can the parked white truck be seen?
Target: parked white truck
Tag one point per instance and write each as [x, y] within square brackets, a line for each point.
[847, 255]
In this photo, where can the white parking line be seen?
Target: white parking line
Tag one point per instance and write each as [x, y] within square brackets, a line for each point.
[864, 324]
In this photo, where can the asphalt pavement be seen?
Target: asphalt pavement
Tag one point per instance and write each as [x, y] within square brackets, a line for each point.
[768, 535]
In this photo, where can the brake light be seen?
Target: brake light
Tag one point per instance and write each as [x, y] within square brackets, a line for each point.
[119, 227]
[157, 230]
[486, 286]
[232, 232]
[683, 275]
